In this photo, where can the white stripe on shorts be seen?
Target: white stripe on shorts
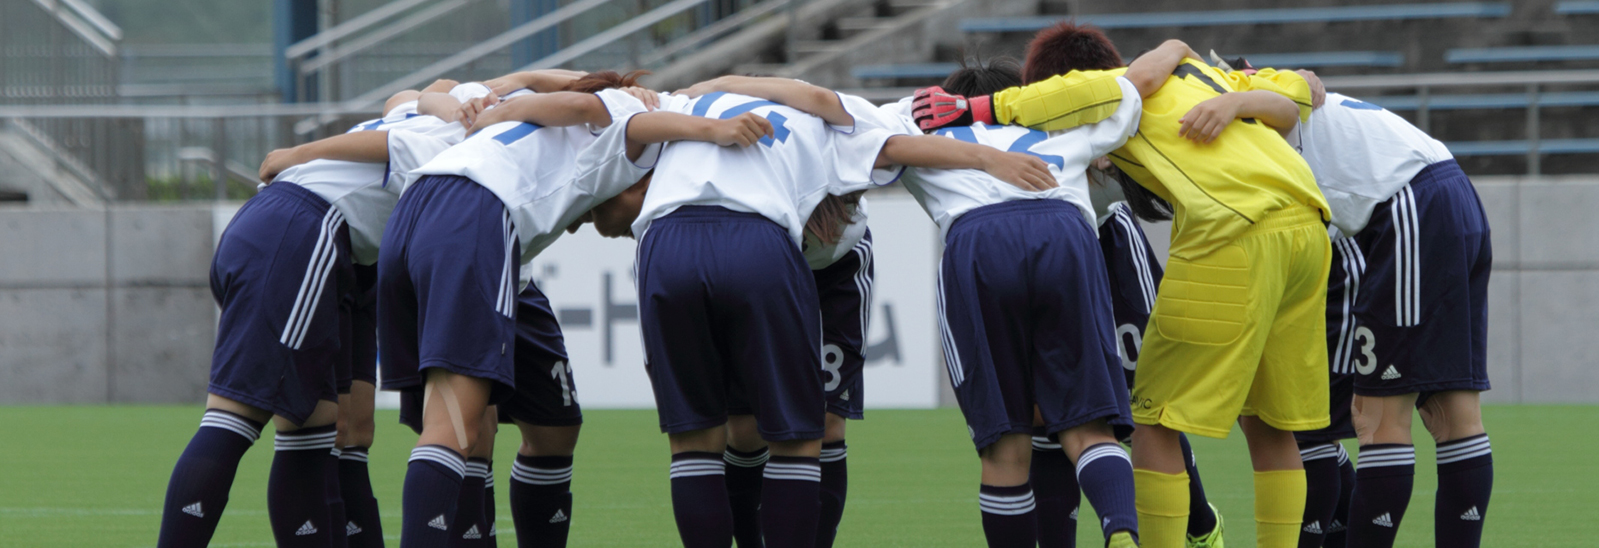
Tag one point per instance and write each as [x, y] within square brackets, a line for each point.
[1407, 259]
[863, 285]
[323, 258]
[1135, 245]
[952, 358]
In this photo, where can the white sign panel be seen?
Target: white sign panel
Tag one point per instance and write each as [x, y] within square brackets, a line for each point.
[589, 281]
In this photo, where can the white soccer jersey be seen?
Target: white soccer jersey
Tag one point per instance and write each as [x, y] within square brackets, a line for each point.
[819, 255]
[1361, 155]
[367, 192]
[946, 194]
[533, 170]
[782, 178]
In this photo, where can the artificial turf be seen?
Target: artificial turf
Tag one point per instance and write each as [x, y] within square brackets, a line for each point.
[95, 476]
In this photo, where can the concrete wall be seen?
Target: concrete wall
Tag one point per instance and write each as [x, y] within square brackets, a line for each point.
[105, 305]
[112, 305]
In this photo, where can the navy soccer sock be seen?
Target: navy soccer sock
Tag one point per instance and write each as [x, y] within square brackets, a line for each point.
[1321, 491]
[1105, 475]
[1465, 481]
[699, 500]
[541, 500]
[1384, 477]
[198, 490]
[1338, 530]
[491, 538]
[335, 497]
[470, 529]
[835, 485]
[1008, 516]
[791, 502]
[297, 490]
[1201, 518]
[1054, 482]
[362, 527]
[743, 478]
[433, 480]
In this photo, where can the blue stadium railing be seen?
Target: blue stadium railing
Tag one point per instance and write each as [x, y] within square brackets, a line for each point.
[1307, 60]
[1522, 54]
[1247, 17]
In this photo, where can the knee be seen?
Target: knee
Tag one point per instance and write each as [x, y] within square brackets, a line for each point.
[1079, 438]
[548, 441]
[835, 429]
[1383, 419]
[1450, 416]
[744, 434]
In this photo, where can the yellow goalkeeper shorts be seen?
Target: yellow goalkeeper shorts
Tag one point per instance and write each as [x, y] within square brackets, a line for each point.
[1241, 331]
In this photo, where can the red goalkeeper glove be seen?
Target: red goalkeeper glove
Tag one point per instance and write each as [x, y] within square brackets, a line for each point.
[934, 108]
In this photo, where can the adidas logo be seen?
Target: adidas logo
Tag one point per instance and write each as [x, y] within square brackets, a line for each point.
[1106, 523]
[350, 529]
[558, 517]
[1383, 520]
[306, 529]
[1334, 527]
[438, 523]
[1471, 515]
[1390, 373]
[493, 530]
[194, 510]
[1074, 514]
[1314, 528]
[472, 534]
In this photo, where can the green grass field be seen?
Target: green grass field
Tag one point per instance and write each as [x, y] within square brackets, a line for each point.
[95, 476]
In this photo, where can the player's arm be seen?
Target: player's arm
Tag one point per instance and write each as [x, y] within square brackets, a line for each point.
[1206, 120]
[660, 127]
[361, 146]
[937, 152]
[1151, 70]
[542, 81]
[814, 100]
[1302, 86]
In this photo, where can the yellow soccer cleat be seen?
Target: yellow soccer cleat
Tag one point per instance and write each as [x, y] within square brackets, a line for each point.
[1122, 539]
[1211, 539]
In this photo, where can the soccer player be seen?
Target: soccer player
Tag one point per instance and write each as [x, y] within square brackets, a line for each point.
[1236, 332]
[450, 272]
[1419, 310]
[284, 321]
[844, 275]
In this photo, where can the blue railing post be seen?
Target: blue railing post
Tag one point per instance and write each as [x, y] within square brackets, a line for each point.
[292, 21]
[539, 45]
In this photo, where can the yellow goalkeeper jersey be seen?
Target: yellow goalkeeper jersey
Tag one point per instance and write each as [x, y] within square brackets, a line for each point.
[1217, 190]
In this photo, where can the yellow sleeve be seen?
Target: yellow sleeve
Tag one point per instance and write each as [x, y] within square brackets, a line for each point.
[1061, 102]
[1285, 83]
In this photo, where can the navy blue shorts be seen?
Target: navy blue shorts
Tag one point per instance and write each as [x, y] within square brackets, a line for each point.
[1343, 336]
[546, 392]
[1025, 312]
[364, 325]
[279, 274]
[845, 289]
[1135, 274]
[729, 306]
[447, 277]
[1423, 300]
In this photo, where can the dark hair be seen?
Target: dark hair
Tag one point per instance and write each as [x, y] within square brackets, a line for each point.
[1144, 203]
[1069, 46]
[828, 220]
[605, 79]
[979, 78]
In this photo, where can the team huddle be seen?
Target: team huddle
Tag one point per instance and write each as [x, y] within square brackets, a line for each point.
[1327, 275]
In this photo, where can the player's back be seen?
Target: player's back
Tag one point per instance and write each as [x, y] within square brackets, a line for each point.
[1362, 154]
[1218, 189]
[782, 177]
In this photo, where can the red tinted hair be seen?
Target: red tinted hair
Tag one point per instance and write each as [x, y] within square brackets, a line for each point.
[1066, 47]
[605, 79]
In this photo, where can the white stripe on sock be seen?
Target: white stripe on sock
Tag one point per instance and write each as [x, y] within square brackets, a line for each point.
[540, 476]
[834, 455]
[302, 442]
[793, 471]
[1006, 505]
[1104, 450]
[450, 459]
[231, 423]
[697, 467]
[746, 462]
[1042, 443]
[1324, 451]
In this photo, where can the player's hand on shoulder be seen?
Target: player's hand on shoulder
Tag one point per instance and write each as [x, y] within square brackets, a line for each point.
[277, 161]
[473, 110]
[1318, 90]
[1207, 119]
[933, 108]
[702, 88]
[743, 130]
[649, 97]
[1021, 170]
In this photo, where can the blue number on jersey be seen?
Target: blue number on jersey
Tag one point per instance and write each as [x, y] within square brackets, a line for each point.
[1361, 105]
[703, 106]
[514, 134]
[1021, 145]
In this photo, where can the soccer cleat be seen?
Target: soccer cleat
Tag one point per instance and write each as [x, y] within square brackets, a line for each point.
[1121, 539]
[1211, 539]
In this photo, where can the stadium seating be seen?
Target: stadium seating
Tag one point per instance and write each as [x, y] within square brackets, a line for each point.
[1522, 54]
[1248, 17]
[1522, 147]
[1576, 7]
[928, 71]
